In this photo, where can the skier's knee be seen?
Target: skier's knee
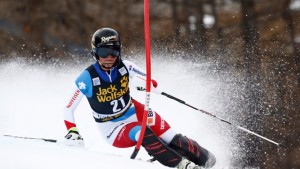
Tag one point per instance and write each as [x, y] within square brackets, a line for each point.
[159, 150]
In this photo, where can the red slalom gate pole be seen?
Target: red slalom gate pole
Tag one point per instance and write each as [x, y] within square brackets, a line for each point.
[148, 77]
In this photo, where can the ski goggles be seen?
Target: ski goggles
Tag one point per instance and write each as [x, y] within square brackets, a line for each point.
[104, 51]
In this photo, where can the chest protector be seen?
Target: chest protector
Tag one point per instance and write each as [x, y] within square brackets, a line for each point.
[109, 99]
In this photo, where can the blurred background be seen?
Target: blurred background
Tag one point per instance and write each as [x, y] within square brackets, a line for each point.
[257, 42]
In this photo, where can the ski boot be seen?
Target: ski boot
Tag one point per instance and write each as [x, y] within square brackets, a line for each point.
[187, 164]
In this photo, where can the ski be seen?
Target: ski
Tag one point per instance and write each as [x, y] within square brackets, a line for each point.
[32, 138]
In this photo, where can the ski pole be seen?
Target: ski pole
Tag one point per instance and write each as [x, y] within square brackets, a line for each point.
[212, 115]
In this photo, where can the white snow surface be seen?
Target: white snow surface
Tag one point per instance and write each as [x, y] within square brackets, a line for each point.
[33, 96]
[32, 154]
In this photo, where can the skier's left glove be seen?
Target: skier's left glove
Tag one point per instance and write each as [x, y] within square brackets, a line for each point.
[73, 138]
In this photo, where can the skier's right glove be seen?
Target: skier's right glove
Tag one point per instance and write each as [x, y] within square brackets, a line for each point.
[73, 138]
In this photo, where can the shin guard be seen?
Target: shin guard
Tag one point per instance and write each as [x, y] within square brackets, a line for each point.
[191, 150]
[159, 150]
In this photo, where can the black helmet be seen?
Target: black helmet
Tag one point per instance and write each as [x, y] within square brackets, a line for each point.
[106, 41]
[105, 36]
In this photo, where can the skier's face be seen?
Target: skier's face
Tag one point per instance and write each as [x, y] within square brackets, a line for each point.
[107, 62]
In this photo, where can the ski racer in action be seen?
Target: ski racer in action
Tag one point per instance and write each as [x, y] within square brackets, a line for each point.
[118, 116]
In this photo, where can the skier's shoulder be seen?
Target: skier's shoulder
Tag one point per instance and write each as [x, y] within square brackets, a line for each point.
[128, 63]
[84, 76]
[84, 81]
[133, 68]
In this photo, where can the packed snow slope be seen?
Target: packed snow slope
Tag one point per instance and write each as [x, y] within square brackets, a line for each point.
[32, 154]
[33, 95]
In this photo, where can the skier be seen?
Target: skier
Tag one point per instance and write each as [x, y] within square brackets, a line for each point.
[118, 116]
